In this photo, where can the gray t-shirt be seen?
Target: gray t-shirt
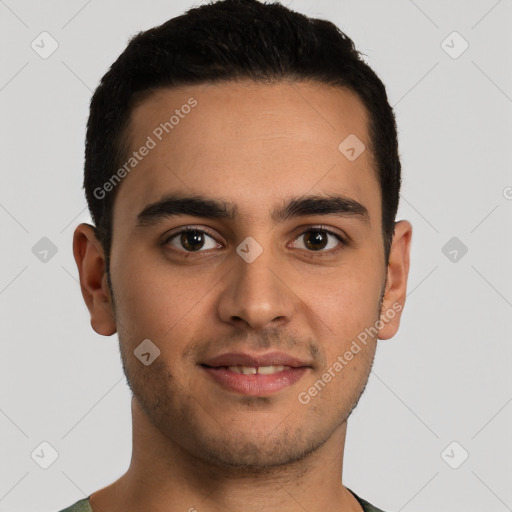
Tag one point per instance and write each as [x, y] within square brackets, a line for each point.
[84, 506]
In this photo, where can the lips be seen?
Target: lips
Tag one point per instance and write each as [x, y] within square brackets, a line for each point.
[255, 375]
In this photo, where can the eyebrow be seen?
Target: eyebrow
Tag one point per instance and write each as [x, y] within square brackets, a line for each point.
[211, 208]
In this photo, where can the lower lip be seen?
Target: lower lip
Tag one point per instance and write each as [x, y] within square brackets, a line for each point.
[255, 385]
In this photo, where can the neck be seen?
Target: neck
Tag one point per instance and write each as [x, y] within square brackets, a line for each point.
[163, 477]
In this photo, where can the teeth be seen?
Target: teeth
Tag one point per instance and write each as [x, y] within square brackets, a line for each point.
[269, 370]
[246, 370]
[262, 370]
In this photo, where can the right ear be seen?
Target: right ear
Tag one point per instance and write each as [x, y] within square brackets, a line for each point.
[90, 260]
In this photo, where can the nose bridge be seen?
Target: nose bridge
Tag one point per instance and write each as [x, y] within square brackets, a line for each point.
[255, 292]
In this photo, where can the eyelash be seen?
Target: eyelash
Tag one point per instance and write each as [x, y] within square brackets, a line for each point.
[313, 229]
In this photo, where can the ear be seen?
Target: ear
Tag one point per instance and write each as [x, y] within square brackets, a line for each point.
[90, 260]
[396, 285]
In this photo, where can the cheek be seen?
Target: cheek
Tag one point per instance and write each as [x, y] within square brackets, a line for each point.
[347, 312]
[347, 298]
[348, 342]
[337, 387]
[346, 306]
[151, 301]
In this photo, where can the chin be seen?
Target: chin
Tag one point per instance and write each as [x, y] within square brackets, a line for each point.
[252, 453]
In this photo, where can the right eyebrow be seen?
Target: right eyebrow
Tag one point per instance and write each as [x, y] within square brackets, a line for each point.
[196, 206]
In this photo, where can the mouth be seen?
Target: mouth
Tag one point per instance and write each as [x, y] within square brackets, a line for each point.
[255, 375]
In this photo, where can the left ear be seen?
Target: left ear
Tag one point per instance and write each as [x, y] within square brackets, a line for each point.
[396, 284]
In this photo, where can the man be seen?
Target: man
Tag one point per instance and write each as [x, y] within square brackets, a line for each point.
[243, 175]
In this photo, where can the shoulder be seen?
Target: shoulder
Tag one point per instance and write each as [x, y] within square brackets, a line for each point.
[366, 505]
[79, 506]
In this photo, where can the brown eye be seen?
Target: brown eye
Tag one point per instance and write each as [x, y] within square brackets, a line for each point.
[319, 240]
[191, 240]
[315, 240]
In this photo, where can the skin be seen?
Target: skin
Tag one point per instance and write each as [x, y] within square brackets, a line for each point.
[195, 444]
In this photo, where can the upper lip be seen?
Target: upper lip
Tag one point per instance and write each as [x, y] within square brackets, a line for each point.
[255, 360]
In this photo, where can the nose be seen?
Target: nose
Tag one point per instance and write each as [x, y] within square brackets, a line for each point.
[257, 294]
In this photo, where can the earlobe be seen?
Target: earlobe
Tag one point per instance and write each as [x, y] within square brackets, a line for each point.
[90, 260]
[396, 286]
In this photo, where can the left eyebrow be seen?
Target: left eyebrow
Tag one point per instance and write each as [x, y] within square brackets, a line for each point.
[211, 208]
[320, 205]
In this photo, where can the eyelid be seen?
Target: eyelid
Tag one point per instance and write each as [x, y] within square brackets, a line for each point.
[328, 229]
[172, 233]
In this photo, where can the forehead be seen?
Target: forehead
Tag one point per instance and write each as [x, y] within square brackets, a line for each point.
[250, 143]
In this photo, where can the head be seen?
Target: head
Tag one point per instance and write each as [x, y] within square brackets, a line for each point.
[232, 120]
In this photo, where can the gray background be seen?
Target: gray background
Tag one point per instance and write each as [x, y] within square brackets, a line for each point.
[445, 377]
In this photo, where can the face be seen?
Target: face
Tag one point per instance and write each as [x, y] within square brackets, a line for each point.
[255, 289]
